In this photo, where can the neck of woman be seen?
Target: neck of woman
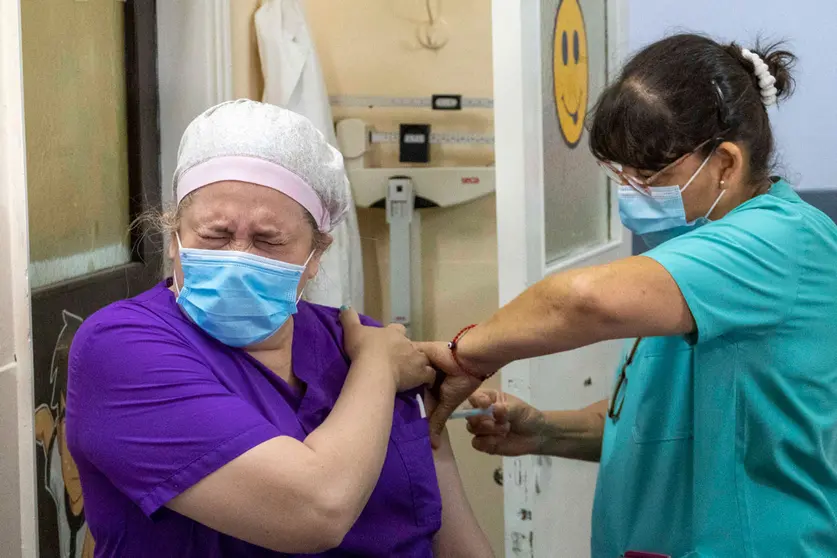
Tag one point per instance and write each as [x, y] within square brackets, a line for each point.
[275, 352]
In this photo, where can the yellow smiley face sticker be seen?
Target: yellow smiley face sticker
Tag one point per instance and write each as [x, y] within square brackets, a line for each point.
[570, 70]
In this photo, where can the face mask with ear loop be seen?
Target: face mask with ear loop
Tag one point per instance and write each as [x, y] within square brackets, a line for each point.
[657, 213]
[240, 299]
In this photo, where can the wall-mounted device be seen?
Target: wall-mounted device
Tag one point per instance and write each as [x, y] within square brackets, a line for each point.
[402, 192]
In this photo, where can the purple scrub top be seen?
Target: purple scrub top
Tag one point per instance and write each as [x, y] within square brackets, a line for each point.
[154, 405]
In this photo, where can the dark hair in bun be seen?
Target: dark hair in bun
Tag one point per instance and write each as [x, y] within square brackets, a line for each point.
[680, 92]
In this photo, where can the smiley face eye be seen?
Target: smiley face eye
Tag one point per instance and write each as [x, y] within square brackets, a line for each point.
[565, 50]
[575, 46]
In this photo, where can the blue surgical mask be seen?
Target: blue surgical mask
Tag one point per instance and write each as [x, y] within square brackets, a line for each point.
[658, 214]
[240, 299]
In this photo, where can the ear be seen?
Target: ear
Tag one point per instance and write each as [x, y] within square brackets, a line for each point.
[314, 264]
[172, 246]
[731, 164]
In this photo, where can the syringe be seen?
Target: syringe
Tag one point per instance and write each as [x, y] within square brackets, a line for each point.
[465, 413]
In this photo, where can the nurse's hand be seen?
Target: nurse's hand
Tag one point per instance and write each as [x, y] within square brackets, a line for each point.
[386, 346]
[515, 428]
[453, 390]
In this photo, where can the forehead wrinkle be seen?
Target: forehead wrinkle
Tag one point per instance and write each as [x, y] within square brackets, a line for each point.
[248, 209]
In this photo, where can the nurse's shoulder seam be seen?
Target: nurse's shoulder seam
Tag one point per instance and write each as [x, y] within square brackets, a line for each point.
[773, 224]
[790, 220]
[780, 221]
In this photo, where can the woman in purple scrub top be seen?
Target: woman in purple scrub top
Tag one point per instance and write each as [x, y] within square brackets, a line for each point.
[216, 415]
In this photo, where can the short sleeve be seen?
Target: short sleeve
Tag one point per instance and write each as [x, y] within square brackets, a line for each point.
[739, 273]
[147, 412]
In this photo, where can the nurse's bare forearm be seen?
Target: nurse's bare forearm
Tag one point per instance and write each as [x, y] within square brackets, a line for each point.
[627, 298]
[575, 434]
[351, 443]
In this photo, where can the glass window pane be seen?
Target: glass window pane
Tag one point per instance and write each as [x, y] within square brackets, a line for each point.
[576, 199]
[76, 137]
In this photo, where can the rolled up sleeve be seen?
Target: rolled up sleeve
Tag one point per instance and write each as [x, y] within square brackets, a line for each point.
[738, 273]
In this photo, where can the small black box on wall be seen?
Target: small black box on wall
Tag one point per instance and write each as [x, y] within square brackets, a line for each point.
[414, 143]
[447, 102]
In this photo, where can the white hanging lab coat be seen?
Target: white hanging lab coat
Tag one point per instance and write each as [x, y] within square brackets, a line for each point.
[293, 80]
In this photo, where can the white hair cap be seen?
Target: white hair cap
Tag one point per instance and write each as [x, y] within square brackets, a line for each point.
[267, 145]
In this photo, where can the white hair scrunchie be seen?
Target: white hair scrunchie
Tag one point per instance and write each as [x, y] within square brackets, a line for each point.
[767, 83]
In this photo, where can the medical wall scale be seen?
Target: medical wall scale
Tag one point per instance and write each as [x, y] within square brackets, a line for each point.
[402, 192]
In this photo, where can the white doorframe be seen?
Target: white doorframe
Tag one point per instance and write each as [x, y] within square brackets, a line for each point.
[519, 160]
[14, 258]
[195, 73]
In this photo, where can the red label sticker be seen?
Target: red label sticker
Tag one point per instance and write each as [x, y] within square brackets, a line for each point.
[470, 180]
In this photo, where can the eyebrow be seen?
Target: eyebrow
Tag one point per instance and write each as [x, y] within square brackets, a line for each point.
[214, 225]
[267, 230]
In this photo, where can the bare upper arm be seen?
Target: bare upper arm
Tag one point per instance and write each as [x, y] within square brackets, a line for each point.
[460, 535]
[632, 297]
[271, 496]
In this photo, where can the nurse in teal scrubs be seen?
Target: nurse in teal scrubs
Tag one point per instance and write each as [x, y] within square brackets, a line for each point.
[720, 438]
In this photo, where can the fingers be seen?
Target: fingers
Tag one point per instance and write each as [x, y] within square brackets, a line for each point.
[483, 398]
[430, 372]
[453, 391]
[486, 426]
[427, 347]
[440, 356]
[441, 413]
[498, 445]
[487, 444]
[501, 412]
[349, 317]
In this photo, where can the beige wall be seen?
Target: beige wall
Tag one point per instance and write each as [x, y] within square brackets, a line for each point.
[369, 47]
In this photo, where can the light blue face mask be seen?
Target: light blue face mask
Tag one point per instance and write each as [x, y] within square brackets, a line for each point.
[240, 299]
[658, 214]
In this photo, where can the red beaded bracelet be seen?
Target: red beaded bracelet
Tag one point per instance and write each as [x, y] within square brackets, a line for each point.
[453, 346]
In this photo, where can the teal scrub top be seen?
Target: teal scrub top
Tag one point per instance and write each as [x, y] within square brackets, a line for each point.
[726, 445]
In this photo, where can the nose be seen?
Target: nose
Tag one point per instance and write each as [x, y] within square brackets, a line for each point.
[241, 244]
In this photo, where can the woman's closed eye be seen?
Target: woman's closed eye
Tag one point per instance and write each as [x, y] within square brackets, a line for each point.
[214, 238]
[274, 242]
